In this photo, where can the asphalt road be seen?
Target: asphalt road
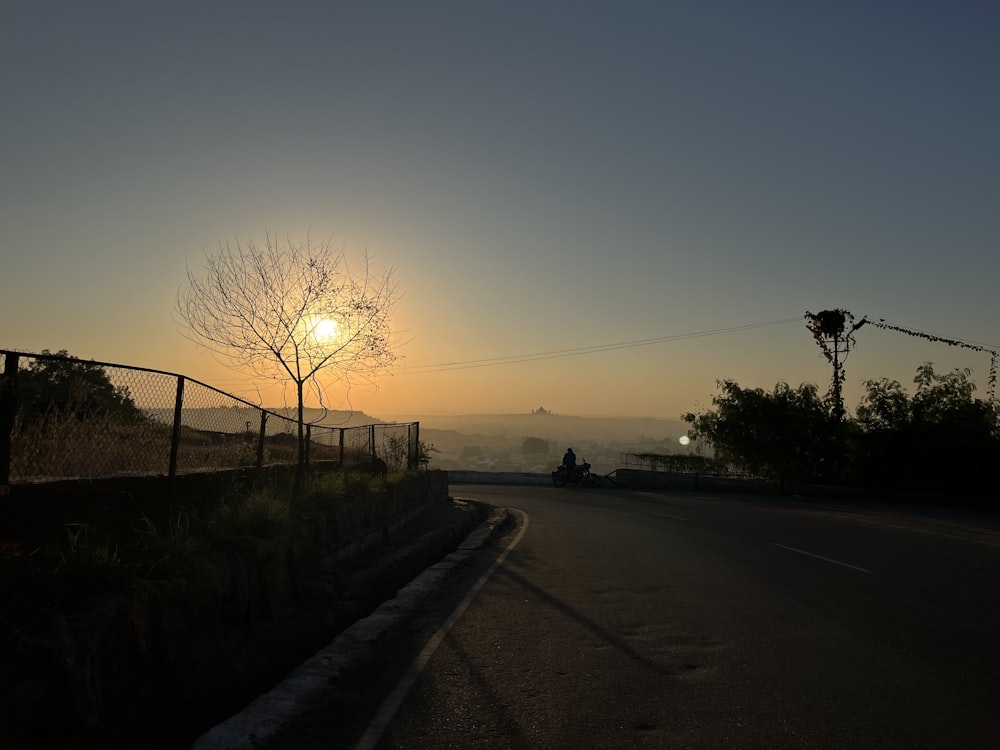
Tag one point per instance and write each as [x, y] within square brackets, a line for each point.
[621, 619]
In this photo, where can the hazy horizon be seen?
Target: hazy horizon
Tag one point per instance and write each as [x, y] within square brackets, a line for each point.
[602, 208]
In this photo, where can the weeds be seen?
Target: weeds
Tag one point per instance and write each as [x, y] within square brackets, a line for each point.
[90, 561]
[84, 554]
[84, 564]
[168, 550]
[264, 514]
[60, 445]
[103, 558]
[357, 484]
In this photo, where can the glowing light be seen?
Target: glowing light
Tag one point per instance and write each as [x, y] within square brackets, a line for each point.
[684, 440]
[324, 329]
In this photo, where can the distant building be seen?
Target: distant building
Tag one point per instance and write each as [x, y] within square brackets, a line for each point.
[541, 410]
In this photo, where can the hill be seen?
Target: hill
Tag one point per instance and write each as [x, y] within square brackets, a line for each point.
[555, 426]
[490, 442]
[494, 442]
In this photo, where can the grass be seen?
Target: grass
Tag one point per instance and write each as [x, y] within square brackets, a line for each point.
[87, 562]
[167, 549]
[61, 445]
[93, 559]
[263, 514]
[64, 446]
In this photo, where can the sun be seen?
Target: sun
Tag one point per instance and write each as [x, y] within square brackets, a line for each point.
[684, 440]
[324, 329]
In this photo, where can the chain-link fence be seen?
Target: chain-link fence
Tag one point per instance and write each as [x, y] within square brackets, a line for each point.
[679, 464]
[66, 418]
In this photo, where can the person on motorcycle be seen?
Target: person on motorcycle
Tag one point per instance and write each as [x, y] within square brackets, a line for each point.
[569, 459]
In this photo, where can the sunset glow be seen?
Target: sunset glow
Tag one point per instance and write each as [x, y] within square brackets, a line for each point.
[324, 330]
[597, 208]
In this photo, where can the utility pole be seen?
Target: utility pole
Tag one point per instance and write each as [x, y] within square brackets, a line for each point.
[834, 332]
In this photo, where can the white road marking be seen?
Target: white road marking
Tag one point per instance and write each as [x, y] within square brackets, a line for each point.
[395, 699]
[654, 513]
[820, 557]
[885, 524]
[663, 515]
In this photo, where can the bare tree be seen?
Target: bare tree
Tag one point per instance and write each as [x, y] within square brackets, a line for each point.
[287, 312]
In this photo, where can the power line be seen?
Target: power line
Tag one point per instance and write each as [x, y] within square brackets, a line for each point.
[579, 351]
[930, 335]
[991, 378]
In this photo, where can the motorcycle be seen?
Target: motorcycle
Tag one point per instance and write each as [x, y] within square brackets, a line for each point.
[579, 474]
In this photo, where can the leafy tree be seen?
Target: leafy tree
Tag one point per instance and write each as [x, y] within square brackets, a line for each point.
[945, 400]
[942, 433]
[63, 385]
[783, 433]
[885, 405]
[424, 451]
[949, 399]
[534, 446]
[289, 312]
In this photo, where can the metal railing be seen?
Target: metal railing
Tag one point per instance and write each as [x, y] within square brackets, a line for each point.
[677, 464]
[661, 462]
[67, 418]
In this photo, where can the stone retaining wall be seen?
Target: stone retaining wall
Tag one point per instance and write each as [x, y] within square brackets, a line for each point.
[158, 663]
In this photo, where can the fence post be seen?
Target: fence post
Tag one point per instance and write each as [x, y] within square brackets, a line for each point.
[309, 432]
[175, 438]
[414, 458]
[8, 410]
[260, 439]
[340, 457]
[371, 439]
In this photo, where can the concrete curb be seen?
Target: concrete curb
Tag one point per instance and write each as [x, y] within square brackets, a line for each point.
[266, 715]
[497, 477]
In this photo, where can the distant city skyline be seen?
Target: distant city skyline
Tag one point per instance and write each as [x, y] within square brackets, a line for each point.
[600, 208]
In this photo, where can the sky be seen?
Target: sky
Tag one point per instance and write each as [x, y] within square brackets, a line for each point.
[599, 208]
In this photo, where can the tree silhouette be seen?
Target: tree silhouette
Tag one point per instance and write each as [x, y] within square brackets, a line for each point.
[943, 433]
[782, 434]
[533, 446]
[287, 312]
[63, 385]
